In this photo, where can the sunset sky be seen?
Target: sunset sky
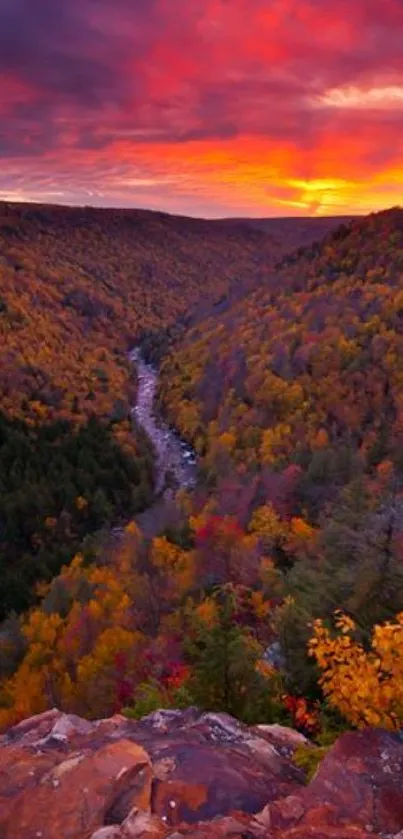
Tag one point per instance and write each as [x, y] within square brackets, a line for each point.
[203, 107]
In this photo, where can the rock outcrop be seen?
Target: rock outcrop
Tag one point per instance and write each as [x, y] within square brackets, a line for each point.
[181, 774]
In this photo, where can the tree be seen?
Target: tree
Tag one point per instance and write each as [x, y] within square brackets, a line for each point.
[365, 685]
[78, 647]
[223, 552]
[226, 661]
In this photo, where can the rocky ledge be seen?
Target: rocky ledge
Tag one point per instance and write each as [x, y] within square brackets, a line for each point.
[181, 774]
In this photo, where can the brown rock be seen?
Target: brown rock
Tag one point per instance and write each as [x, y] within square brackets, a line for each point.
[66, 778]
[229, 827]
[362, 777]
[282, 737]
[359, 785]
[74, 799]
[142, 825]
[186, 774]
[41, 723]
[50, 726]
[207, 765]
[179, 801]
[326, 832]
[139, 825]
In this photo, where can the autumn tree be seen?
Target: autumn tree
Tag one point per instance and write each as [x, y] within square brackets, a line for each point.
[365, 685]
[78, 647]
[223, 552]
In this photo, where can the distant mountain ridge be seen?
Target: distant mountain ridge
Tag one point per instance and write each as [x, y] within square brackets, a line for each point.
[297, 230]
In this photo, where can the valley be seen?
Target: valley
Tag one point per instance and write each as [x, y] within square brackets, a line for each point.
[201, 419]
[251, 445]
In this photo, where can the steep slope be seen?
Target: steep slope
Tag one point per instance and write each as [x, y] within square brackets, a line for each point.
[78, 286]
[293, 398]
[310, 360]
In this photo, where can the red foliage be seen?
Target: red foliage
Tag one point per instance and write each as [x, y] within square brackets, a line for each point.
[305, 714]
[177, 677]
[217, 527]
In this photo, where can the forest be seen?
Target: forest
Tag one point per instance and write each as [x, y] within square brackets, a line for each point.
[276, 593]
[59, 484]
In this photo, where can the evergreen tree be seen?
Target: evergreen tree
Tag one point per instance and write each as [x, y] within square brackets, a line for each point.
[225, 659]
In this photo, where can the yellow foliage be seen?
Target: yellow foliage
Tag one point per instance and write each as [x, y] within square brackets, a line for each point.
[94, 685]
[264, 669]
[385, 470]
[365, 686]
[266, 524]
[70, 661]
[275, 443]
[321, 439]
[207, 612]
[165, 554]
[301, 529]
[173, 561]
[22, 696]
[132, 529]
[196, 522]
[301, 538]
[227, 440]
[261, 607]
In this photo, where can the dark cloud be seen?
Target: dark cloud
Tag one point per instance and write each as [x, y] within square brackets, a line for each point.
[83, 77]
[86, 57]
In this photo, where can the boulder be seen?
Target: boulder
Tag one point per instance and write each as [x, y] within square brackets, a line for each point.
[359, 783]
[69, 796]
[67, 778]
[362, 775]
[286, 740]
[178, 774]
[209, 764]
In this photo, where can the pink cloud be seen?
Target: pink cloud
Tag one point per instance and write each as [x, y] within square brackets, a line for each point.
[208, 107]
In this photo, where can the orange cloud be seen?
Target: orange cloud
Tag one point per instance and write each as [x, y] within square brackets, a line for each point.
[220, 107]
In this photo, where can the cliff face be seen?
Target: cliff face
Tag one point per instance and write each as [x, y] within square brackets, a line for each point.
[182, 773]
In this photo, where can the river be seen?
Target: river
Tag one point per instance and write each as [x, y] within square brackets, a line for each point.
[175, 465]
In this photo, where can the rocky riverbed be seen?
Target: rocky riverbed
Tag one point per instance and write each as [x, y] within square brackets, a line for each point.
[175, 460]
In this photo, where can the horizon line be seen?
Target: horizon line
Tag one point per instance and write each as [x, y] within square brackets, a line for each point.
[238, 217]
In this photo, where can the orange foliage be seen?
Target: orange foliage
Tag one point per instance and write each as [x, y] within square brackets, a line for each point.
[71, 659]
[365, 686]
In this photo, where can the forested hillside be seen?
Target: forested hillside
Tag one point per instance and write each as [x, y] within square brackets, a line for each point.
[78, 287]
[309, 361]
[276, 591]
[292, 232]
[293, 398]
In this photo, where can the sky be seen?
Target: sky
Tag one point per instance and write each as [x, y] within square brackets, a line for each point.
[203, 107]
